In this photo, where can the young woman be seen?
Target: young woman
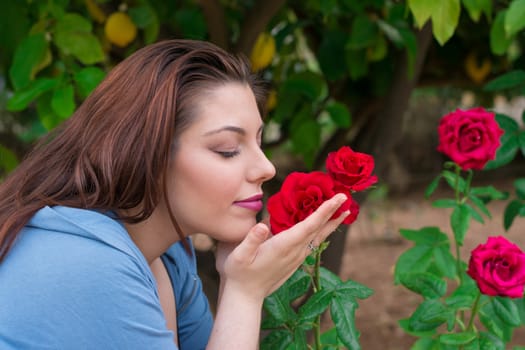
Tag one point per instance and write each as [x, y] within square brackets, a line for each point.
[95, 223]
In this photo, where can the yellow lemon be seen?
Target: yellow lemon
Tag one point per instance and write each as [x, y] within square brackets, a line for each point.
[95, 11]
[263, 51]
[477, 71]
[120, 29]
[271, 101]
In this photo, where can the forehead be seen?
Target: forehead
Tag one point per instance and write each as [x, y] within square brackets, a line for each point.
[226, 104]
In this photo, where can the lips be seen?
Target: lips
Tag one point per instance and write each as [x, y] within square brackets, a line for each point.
[252, 203]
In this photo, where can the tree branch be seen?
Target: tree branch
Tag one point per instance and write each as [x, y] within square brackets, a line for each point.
[216, 20]
[255, 22]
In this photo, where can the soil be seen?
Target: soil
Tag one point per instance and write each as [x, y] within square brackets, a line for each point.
[374, 244]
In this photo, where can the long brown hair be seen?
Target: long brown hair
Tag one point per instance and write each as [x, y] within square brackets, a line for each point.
[112, 154]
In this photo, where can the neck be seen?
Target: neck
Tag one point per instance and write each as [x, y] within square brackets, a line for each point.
[154, 235]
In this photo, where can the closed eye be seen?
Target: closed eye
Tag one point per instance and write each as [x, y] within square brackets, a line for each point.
[227, 154]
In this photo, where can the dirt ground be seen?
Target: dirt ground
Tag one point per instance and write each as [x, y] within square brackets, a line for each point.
[374, 244]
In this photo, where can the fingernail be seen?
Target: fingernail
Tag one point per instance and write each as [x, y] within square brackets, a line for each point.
[342, 198]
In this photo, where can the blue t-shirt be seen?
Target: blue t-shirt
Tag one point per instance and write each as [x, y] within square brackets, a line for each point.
[74, 279]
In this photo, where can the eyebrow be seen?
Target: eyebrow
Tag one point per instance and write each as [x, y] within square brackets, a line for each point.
[231, 128]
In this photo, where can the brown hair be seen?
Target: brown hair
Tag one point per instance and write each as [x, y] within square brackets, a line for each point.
[112, 154]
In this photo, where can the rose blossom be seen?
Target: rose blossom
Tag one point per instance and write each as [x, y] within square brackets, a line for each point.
[498, 267]
[351, 169]
[300, 195]
[470, 138]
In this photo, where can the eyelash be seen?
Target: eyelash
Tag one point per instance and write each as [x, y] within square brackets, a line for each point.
[228, 154]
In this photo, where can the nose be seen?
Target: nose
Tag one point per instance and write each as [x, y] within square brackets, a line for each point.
[261, 169]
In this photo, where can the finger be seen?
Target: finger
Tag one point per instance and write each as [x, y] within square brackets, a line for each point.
[329, 228]
[323, 214]
[247, 249]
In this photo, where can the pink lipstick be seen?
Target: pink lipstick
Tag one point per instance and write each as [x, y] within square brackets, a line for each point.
[253, 203]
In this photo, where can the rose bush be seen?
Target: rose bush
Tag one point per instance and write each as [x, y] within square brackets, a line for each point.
[475, 305]
[469, 137]
[498, 267]
[312, 287]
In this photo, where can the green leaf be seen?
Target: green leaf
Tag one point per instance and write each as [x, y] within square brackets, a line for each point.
[315, 305]
[488, 341]
[431, 236]
[519, 185]
[331, 54]
[73, 37]
[308, 84]
[63, 101]
[476, 7]
[474, 214]
[391, 32]
[22, 98]
[460, 338]
[506, 310]
[28, 55]
[511, 211]
[425, 284]
[421, 10]
[351, 289]
[339, 114]
[342, 311]
[509, 80]
[445, 262]
[451, 179]
[416, 259]
[278, 306]
[142, 16]
[444, 203]
[8, 160]
[47, 116]
[410, 42]
[521, 141]
[191, 22]
[499, 41]
[426, 344]
[515, 17]
[488, 191]
[277, 340]
[429, 315]
[306, 137]
[330, 337]
[459, 221]
[363, 34]
[480, 205]
[298, 284]
[87, 79]
[357, 63]
[432, 187]
[299, 340]
[445, 17]
[492, 321]
[329, 280]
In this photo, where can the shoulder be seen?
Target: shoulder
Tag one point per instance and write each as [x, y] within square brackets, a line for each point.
[76, 281]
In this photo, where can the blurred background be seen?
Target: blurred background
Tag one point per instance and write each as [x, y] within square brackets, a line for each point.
[376, 75]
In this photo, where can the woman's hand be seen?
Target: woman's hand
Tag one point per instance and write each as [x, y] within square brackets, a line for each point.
[262, 262]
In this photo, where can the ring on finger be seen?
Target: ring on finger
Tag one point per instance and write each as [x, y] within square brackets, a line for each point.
[312, 247]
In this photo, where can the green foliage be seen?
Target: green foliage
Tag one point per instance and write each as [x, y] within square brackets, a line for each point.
[445, 319]
[288, 326]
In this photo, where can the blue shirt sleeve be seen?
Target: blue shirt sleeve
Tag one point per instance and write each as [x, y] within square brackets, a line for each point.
[70, 292]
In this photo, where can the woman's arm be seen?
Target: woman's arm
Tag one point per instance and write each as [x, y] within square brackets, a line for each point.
[256, 267]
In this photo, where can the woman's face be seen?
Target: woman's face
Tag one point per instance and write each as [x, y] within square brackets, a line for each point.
[215, 178]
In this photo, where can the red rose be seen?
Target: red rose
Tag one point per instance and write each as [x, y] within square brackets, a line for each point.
[351, 169]
[470, 138]
[300, 195]
[498, 267]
